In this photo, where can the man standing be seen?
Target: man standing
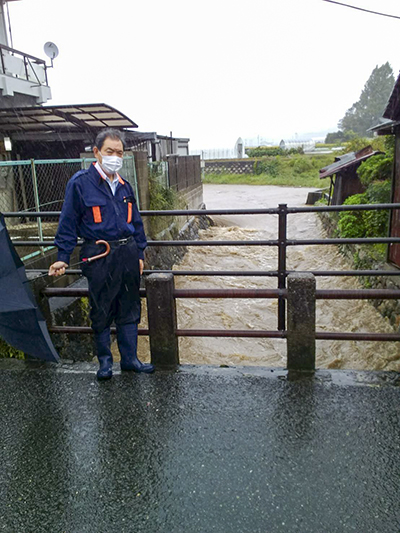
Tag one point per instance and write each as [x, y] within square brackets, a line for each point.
[100, 205]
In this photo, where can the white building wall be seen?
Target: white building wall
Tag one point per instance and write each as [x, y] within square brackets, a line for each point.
[3, 27]
[16, 79]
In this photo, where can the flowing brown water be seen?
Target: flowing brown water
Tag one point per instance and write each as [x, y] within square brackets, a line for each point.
[332, 315]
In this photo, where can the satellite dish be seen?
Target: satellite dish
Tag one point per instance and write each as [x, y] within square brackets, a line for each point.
[51, 50]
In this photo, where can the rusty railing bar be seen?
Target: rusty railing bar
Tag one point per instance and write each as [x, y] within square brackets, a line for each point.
[255, 273]
[77, 292]
[369, 240]
[381, 337]
[387, 240]
[164, 212]
[333, 294]
[167, 243]
[357, 294]
[231, 333]
[179, 293]
[230, 293]
[85, 330]
[348, 272]
[327, 208]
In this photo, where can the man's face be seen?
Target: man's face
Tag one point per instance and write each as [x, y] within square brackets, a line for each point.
[110, 147]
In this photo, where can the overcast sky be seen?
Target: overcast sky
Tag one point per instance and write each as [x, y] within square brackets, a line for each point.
[212, 70]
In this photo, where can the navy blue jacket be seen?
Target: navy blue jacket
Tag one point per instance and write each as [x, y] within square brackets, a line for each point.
[90, 211]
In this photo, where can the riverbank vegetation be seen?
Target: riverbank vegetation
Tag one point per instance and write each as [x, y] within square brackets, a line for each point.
[376, 176]
[162, 198]
[296, 170]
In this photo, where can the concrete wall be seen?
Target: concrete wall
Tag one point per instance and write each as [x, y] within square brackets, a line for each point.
[185, 178]
[17, 100]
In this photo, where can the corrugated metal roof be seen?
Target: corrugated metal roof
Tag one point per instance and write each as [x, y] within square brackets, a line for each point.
[83, 117]
[385, 126]
[347, 161]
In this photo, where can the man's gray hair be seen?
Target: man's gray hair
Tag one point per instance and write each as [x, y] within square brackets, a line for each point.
[109, 133]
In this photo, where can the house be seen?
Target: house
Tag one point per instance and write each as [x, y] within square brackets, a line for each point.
[343, 173]
[158, 147]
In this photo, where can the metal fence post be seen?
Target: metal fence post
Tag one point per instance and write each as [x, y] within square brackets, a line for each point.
[282, 237]
[301, 322]
[37, 203]
[162, 319]
[135, 180]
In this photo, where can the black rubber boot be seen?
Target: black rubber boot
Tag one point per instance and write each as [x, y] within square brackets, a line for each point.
[127, 344]
[103, 345]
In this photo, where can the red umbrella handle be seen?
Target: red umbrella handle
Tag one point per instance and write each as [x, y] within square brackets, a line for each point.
[99, 256]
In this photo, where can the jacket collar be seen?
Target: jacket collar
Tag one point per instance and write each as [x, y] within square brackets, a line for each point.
[100, 183]
[104, 175]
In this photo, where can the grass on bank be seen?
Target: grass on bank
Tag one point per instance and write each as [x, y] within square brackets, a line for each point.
[287, 171]
[283, 180]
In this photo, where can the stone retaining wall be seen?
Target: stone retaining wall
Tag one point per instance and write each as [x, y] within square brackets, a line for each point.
[231, 166]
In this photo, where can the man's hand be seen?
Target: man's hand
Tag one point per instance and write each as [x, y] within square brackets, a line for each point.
[57, 268]
[141, 266]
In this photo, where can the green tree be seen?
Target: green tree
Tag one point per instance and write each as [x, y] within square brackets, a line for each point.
[369, 109]
[334, 136]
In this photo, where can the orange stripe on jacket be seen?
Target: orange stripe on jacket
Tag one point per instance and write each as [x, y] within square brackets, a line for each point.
[129, 219]
[96, 214]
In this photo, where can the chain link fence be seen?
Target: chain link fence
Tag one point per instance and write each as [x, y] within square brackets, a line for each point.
[39, 185]
[158, 171]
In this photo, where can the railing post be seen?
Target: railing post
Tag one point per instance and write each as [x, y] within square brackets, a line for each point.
[3, 68]
[162, 319]
[37, 202]
[301, 322]
[282, 237]
[26, 69]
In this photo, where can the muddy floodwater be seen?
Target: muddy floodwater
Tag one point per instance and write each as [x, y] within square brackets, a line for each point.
[332, 315]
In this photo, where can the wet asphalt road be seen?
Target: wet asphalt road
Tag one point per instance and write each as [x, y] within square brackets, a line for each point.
[201, 450]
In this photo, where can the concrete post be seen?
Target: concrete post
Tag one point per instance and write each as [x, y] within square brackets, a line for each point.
[301, 322]
[142, 175]
[37, 285]
[161, 311]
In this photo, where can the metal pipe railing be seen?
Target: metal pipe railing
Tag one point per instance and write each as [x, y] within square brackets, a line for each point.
[320, 294]
[86, 330]
[169, 243]
[26, 58]
[340, 336]
[281, 243]
[201, 212]
[244, 273]
[258, 334]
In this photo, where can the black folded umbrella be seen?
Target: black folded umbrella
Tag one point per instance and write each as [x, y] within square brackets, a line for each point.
[21, 323]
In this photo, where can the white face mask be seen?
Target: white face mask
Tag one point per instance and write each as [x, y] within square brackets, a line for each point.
[111, 163]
